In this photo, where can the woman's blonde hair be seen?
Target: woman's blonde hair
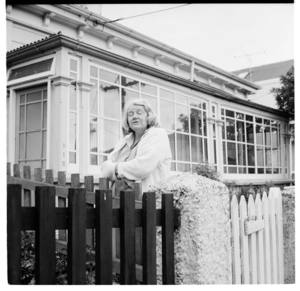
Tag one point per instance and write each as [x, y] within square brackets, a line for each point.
[152, 119]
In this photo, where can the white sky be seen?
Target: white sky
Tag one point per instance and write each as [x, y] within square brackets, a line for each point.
[220, 34]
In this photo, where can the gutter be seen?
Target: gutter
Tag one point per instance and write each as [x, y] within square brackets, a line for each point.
[59, 40]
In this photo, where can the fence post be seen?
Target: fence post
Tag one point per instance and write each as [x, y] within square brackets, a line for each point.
[45, 235]
[16, 170]
[127, 237]
[168, 264]
[76, 234]
[8, 169]
[14, 223]
[149, 238]
[49, 176]
[27, 193]
[89, 186]
[103, 251]
[61, 181]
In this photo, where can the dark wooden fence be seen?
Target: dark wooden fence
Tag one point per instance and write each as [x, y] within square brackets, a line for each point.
[104, 214]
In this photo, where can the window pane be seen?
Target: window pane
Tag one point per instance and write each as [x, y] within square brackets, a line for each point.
[240, 131]
[94, 72]
[130, 83]
[44, 150]
[250, 155]
[230, 129]
[73, 65]
[275, 138]
[205, 157]
[231, 151]
[204, 124]
[33, 116]
[22, 146]
[251, 170]
[241, 155]
[93, 159]
[268, 157]
[109, 77]
[149, 89]
[250, 132]
[183, 167]
[22, 118]
[167, 114]
[22, 99]
[35, 96]
[239, 115]
[94, 99]
[249, 118]
[196, 103]
[45, 94]
[197, 149]
[102, 159]
[229, 113]
[259, 134]
[266, 121]
[171, 136]
[258, 120]
[224, 153]
[93, 135]
[183, 147]
[72, 158]
[242, 170]
[276, 157]
[182, 118]
[34, 145]
[127, 95]
[72, 131]
[260, 156]
[73, 97]
[109, 100]
[152, 101]
[267, 136]
[232, 170]
[45, 115]
[181, 99]
[260, 170]
[196, 121]
[166, 94]
[110, 135]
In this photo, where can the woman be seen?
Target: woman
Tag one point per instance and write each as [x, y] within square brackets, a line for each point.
[142, 155]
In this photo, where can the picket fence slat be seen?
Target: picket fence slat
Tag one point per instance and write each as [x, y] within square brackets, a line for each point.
[127, 238]
[89, 186]
[259, 243]
[14, 222]
[103, 251]
[61, 202]
[27, 193]
[45, 235]
[77, 238]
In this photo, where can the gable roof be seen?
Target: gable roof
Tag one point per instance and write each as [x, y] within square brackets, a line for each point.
[265, 72]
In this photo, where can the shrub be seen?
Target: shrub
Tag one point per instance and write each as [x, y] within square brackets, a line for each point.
[207, 170]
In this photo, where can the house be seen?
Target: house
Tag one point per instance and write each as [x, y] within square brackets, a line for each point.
[70, 70]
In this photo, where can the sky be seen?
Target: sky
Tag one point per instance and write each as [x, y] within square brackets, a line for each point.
[228, 36]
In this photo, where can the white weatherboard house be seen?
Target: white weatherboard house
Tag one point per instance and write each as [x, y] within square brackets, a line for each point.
[70, 70]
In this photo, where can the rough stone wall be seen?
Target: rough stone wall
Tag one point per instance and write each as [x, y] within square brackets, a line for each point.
[288, 213]
[202, 242]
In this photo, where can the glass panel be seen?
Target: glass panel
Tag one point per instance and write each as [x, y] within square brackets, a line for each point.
[183, 147]
[224, 153]
[44, 149]
[205, 150]
[204, 106]
[166, 94]
[223, 131]
[33, 116]
[73, 65]
[127, 95]
[22, 99]
[35, 96]
[250, 155]
[240, 131]
[268, 171]
[249, 118]
[260, 171]
[72, 158]
[22, 118]
[182, 118]
[239, 115]
[73, 97]
[183, 167]
[214, 130]
[110, 135]
[152, 101]
[259, 134]
[242, 170]
[109, 100]
[222, 111]
[130, 83]
[258, 120]
[267, 136]
[204, 124]
[94, 99]
[167, 114]
[260, 156]
[215, 152]
[181, 99]
[250, 132]
[196, 103]
[229, 113]
[45, 115]
[251, 170]
[33, 145]
[72, 131]
[276, 157]
[231, 150]
[29, 70]
[275, 138]
[241, 155]
[275, 171]
[93, 72]
[196, 121]
[197, 149]
[232, 170]
[93, 159]
[268, 156]
[171, 136]
[93, 135]
[266, 121]
[109, 77]
[102, 159]
[22, 146]
[45, 94]
[230, 129]
[149, 89]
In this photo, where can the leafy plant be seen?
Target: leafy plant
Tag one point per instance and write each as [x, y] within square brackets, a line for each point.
[207, 170]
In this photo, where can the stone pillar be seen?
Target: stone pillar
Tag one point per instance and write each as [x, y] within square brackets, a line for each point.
[202, 241]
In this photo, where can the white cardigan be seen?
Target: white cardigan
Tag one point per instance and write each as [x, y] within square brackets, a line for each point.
[151, 164]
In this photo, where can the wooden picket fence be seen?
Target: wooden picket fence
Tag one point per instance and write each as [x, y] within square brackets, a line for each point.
[81, 210]
[257, 239]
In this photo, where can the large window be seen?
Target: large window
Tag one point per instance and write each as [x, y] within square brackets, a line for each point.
[251, 144]
[183, 117]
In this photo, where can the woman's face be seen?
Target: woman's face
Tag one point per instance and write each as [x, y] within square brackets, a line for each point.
[137, 118]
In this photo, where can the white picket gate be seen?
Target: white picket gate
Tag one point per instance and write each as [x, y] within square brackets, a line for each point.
[257, 239]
